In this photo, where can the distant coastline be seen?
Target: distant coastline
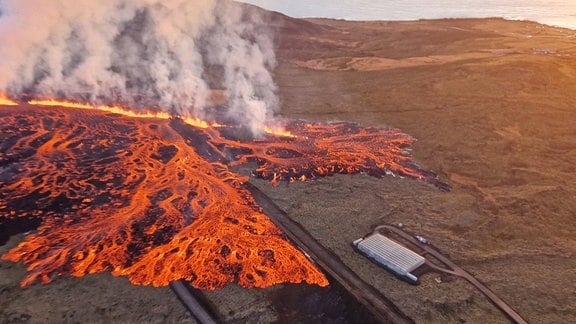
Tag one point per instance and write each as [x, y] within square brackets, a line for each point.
[560, 13]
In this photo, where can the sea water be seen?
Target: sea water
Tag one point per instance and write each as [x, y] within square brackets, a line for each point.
[561, 13]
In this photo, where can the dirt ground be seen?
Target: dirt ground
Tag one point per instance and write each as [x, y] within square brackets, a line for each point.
[492, 106]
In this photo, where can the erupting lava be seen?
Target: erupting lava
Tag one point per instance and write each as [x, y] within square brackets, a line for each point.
[5, 101]
[155, 199]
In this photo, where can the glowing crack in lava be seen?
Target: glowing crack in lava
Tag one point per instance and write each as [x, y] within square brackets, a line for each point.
[155, 199]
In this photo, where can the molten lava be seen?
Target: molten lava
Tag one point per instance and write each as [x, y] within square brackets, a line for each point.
[155, 199]
[5, 101]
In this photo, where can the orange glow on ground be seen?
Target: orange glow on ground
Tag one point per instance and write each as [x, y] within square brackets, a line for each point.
[196, 122]
[277, 131]
[155, 199]
[5, 101]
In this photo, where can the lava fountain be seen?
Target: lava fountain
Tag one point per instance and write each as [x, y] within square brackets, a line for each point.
[156, 200]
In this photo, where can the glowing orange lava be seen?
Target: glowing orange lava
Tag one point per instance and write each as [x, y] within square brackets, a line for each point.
[154, 199]
[196, 122]
[5, 101]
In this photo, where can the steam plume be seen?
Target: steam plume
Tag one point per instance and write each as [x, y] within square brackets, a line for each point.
[142, 53]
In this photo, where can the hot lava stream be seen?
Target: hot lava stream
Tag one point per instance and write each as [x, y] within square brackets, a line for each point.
[154, 199]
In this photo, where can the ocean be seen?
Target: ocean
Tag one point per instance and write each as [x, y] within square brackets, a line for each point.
[561, 13]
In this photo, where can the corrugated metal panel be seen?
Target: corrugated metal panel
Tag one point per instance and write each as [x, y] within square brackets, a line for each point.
[390, 254]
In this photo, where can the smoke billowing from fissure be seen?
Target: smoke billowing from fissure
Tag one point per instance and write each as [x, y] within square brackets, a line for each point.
[141, 53]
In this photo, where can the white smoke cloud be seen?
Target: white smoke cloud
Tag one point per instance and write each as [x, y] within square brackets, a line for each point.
[142, 53]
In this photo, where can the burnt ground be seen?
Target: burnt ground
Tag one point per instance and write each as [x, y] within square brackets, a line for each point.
[492, 105]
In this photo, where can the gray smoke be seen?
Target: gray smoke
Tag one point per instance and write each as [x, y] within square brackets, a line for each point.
[141, 53]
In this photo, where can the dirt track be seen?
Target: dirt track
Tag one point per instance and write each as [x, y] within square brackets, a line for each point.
[492, 104]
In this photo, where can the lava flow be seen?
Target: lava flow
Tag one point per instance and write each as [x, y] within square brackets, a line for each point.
[155, 199]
